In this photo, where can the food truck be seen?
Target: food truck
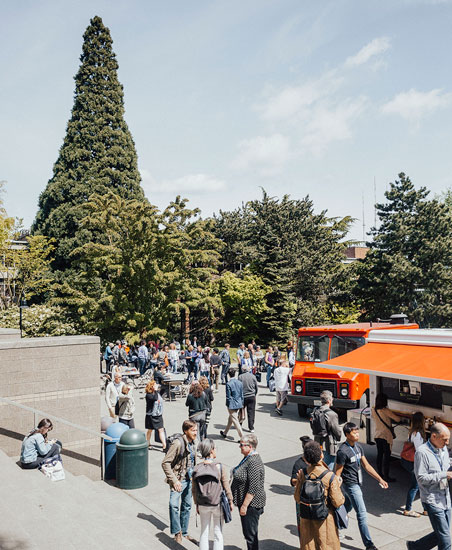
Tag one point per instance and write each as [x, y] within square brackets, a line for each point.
[318, 344]
[412, 367]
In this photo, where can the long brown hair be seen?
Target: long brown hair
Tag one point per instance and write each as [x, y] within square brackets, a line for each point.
[196, 389]
[204, 383]
[418, 424]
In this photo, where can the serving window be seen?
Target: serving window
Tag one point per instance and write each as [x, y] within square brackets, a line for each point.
[417, 393]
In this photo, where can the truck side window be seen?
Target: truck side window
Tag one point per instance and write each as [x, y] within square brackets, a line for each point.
[313, 348]
[344, 344]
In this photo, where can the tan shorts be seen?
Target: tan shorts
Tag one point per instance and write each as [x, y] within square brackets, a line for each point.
[281, 396]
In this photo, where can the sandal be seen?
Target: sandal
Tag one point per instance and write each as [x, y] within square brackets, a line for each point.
[411, 514]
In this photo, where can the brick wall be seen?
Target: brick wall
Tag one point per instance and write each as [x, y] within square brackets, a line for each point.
[59, 376]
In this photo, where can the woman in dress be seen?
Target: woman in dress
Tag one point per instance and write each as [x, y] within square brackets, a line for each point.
[36, 448]
[319, 534]
[210, 513]
[248, 489]
[383, 418]
[154, 413]
[417, 437]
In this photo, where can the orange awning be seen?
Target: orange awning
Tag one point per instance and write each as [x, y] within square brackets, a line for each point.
[432, 364]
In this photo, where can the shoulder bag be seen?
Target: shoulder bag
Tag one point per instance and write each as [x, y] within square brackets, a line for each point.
[224, 503]
[390, 428]
[408, 451]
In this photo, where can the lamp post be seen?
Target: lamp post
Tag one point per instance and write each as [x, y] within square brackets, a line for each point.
[22, 305]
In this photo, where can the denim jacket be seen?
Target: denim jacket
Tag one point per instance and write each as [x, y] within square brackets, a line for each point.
[32, 447]
[234, 394]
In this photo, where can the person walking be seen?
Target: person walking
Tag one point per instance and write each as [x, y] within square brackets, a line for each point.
[240, 352]
[198, 405]
[209, 480]
[431, 467]
[154, 413]
[204, 383]
[108, 356]
[225, 357]
[298, 465]
[215, 365]
[416, 437]
[269, 363]
[325, 428]
[248, 491]
[143, 357]
[384, 434]
[317, 534]
[112, 392]
[178, 465]
[250, 389]
[281, 376]
[234, 402]
[204, 364]
[349, 459]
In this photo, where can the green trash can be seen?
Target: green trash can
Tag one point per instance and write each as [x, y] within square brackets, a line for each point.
[132, 460]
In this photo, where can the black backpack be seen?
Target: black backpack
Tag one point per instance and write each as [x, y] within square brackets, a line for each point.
[313, 504]
[318, 422]
[208, 484]
[171, 439]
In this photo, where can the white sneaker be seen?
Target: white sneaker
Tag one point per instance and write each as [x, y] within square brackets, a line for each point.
[251, 431]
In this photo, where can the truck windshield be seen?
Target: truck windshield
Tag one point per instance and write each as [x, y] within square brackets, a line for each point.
[313, 348]
[344, 344]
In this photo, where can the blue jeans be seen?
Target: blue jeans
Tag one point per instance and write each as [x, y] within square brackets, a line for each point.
[440, 520]
[224, 373]
[354, 499]
[141, 365]
[179, 509]
[269, 373]
[329, 460]
[414, 487]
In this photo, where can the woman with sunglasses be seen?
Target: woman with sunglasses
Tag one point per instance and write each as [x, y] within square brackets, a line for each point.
[35, 447]
[248, 489]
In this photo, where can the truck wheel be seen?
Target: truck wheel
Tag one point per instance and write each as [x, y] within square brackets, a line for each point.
[302, 411]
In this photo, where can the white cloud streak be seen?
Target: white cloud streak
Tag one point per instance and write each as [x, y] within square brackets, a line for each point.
[370, 50]
[189, 184]
[267, 153]
[413, 105]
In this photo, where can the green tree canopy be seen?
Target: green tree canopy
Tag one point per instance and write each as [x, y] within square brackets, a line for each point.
[408, 267]
[98, 153]
[296, 252]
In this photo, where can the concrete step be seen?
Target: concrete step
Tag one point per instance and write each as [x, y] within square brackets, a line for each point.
[73, 513]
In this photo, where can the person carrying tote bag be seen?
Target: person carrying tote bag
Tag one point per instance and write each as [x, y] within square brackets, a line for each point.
[210, 483]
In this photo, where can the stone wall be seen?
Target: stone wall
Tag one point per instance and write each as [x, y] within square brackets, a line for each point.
[60, 377]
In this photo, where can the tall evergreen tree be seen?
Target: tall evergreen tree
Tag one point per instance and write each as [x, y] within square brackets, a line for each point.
[98, 153]
[408, 266]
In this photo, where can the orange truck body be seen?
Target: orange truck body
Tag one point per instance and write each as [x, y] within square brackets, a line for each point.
[318, 344]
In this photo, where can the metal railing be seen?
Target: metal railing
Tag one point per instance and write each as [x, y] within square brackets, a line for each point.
[53, 417]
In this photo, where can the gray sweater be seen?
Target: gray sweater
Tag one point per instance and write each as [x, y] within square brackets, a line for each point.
[430, 467]
[249, 382]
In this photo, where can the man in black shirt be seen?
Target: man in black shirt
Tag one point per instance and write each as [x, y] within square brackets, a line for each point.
[349, 459]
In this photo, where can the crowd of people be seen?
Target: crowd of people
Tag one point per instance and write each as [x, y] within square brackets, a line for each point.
[329, 466]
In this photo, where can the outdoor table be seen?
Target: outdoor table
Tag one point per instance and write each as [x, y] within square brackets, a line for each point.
[173, 380]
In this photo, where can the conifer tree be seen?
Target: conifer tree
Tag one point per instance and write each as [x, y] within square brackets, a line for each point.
[98, 153]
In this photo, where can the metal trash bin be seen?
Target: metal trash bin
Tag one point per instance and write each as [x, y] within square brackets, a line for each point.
[132, 460]
[115, 431]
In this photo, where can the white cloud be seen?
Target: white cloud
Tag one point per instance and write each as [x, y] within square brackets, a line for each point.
[413, 105]
[372, 49]
[292, 100]
[267, 153]
[191, 183]
[331, 123]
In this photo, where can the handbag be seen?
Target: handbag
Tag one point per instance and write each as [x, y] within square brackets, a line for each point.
[390, 428]
[224, 503]
[52, 468]
[341, 517]
[408, 451]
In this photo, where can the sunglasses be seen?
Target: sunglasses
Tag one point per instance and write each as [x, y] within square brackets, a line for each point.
[243, 444]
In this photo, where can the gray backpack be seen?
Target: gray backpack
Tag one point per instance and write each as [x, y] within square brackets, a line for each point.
[207, 478]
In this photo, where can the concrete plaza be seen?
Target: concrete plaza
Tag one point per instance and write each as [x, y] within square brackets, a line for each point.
[279, 447]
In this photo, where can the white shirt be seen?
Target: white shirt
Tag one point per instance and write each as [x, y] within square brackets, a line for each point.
[281, 376]
[416, 439]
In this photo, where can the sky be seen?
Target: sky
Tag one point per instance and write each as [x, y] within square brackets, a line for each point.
[330, 99]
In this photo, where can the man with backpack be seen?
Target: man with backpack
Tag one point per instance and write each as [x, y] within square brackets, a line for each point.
[350, 458]
[325, 428]
[178, 466]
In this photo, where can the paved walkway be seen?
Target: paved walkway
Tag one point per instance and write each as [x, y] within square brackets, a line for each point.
[279, 447]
